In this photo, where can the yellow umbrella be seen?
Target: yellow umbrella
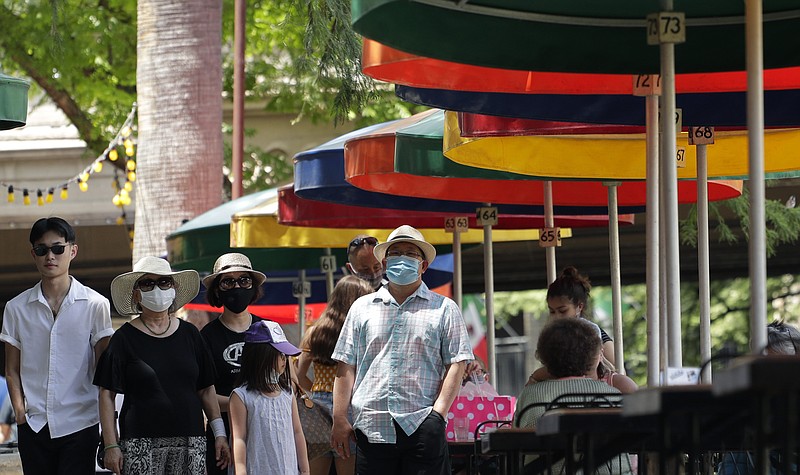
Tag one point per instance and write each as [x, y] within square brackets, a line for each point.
[612, 157]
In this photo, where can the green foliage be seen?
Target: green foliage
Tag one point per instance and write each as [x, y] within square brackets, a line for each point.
[261, 170]
[782, 222]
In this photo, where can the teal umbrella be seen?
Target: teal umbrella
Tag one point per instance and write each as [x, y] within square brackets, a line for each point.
[13, 102]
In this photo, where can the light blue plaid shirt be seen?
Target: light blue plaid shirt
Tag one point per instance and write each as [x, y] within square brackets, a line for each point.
[400, 353]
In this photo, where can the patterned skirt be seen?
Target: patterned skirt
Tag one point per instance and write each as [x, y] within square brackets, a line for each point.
[164, 455]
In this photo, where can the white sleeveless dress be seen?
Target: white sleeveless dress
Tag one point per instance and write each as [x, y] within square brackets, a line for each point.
[270, 437]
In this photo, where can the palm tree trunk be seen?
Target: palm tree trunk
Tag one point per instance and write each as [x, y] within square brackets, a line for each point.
[179, 87]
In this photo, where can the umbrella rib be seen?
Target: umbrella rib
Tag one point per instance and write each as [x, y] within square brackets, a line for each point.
[465, 6]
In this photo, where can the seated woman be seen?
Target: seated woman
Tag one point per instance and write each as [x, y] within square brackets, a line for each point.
[571, 350]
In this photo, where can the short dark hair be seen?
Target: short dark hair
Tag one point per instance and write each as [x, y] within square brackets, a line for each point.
[572, 285]
[258, 360]
[569, 347]
[782, 338]
[212, 292]
[55, 224]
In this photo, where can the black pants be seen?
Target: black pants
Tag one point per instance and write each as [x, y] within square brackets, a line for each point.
[71, 454]
[211, 458]
[422, 453]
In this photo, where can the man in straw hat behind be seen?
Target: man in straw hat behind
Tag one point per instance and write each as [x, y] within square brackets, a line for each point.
[401, 355]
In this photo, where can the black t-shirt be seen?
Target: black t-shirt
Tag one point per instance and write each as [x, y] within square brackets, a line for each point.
[226, 351]
[604, 336]
[160, 378]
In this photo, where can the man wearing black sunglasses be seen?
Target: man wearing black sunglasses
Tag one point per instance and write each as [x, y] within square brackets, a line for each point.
[361, 260]
[54, 333]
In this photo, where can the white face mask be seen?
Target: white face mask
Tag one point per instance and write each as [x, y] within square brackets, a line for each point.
[157, 300]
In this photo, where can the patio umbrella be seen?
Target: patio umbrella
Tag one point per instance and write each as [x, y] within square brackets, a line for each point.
[583, 37]
[405, 69]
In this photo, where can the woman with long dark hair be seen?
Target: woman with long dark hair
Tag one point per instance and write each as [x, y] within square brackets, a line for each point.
[317, 348]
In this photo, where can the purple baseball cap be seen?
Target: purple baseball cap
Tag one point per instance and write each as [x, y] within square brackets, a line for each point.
[266, 331]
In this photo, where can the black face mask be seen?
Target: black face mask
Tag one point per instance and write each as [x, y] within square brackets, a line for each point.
[237, 299]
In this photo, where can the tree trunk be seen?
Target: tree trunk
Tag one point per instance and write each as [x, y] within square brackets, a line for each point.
[179, 86]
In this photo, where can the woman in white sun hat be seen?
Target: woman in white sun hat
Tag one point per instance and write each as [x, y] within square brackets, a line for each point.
[164, 370]
[233, 285]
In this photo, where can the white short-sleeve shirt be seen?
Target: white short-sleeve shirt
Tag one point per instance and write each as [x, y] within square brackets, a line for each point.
[57, 355]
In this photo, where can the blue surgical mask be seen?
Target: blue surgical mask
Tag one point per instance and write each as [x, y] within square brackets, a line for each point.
[402, 270]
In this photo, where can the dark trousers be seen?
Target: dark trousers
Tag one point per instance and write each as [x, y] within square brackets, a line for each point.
[71, 454]
[422, 453]
[211, 456]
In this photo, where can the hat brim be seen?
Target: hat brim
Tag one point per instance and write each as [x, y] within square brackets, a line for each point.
[426, 248]
[258, 277]
[187, 286]
[286, 348]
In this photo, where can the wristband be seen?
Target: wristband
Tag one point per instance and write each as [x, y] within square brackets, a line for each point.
[218, 427]
[111, 446]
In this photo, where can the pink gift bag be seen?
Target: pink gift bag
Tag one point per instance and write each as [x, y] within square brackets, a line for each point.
[476, 409]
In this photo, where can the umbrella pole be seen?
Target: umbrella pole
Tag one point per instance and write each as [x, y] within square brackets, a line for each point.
[457, 268]
[301, 304]
[669, 176]
[652, 237]
[549, 222]
[703, 263]
[662, 288]
[616, 280]
[329, 275]
[755, 150]
[488, 277]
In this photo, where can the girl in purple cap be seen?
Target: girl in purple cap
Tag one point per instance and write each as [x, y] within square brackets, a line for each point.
[263, 411]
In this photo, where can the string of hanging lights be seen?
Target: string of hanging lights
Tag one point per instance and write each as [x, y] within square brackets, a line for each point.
[124, 140]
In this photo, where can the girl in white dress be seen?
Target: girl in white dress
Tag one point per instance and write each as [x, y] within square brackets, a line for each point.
[265, 425]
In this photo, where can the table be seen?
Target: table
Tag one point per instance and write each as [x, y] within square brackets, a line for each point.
[772, 383]
[512, 443]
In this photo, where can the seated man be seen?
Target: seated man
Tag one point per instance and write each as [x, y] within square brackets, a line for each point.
[571, 349]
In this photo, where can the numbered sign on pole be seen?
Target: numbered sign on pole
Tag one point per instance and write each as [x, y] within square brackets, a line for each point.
[701, 135]
[456, 224]
[678, 120]
[647, 85]
[681, 157]
[666, 27]
[327, 264]
[486, 216]
[550, 237]
[301, 289]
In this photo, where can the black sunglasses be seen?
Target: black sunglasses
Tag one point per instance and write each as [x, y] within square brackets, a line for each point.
[357, 242]
[42, 250]
[147, 285]
[245, 282]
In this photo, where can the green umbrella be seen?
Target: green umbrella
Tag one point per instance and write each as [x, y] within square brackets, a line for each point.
[13, 102]
[585, 36]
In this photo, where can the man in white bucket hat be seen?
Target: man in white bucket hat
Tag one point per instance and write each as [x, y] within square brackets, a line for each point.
[401, 353]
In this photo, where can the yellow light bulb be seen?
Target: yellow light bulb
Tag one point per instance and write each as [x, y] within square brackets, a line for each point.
[84, 176]
[10, 194]
[123, 193]
[98, 167]
[49, 198]
[128, 143]
[128, 186]
[120, 220]
[131, 176]
[131, 165]
[125, 200]
[39, 198]
[64, 193]
[26, 198]
[113, 155]
[83, 186]
[126, 131]
[115, 200]
[129, 151]
[130, 234]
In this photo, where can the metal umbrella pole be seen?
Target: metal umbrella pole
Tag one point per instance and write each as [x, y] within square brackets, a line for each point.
[703, 262]
[652, 235]
[616, 280]
[549, 221]
[489, 217]
[755, 150]
[457, 282]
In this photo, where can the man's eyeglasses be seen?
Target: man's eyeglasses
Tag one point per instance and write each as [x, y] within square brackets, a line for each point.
[42, 250]
[358, 242]
[228, 283]
[147, 285]
[412, 254]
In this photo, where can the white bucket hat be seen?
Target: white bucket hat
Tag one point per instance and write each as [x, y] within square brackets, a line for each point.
[187, 284]
[406, 233]
[234, 262]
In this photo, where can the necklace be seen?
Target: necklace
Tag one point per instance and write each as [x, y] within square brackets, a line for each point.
[169, 324]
